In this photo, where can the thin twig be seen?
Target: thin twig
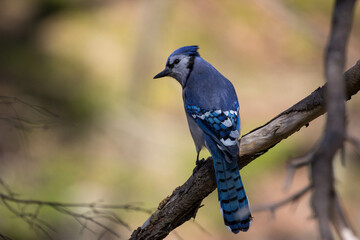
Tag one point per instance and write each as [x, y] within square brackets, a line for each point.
[274, 206]
[295, 164]
[35, 224]
[41, 110]
[75, 205]
[96, 212]
[85, 217]
[49, 119]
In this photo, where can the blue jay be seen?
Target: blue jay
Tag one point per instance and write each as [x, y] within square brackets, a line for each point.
[212, 111]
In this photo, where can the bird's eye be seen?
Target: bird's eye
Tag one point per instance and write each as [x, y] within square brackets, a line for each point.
[176, 61]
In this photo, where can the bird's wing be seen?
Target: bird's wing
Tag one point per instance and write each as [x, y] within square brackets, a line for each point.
[222, 126]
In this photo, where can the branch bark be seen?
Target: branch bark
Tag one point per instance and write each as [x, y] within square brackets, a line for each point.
[185, 200]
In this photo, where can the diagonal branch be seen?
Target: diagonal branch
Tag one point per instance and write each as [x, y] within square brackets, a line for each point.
[186, 199]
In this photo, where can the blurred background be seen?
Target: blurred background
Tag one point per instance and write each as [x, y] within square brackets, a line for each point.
[82, 120]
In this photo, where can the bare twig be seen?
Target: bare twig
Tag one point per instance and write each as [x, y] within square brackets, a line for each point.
[6, 187]
[274, 206]
[48, 118]
[75, 205]
[84, 217]
[96, 214]
[295, 164]
[41, 110]
[35, 223]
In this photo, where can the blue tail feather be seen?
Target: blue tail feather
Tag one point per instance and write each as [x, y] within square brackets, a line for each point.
[234, 205]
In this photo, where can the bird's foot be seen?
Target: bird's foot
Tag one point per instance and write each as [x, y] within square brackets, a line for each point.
[199, 164]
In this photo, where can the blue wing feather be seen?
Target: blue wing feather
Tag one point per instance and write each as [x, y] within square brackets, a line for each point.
[222, 126]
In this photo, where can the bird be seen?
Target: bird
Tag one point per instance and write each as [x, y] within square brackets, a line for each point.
[212, 112]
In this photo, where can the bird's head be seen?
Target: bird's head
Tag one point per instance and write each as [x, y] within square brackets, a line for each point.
[180, 64]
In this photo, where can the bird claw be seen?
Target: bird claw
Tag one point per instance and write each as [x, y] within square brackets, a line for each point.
[199, 164]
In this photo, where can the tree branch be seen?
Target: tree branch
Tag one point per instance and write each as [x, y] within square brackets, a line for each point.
[321, 165]
[186, 199]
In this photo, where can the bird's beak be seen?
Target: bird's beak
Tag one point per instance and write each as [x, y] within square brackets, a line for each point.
[164, 73]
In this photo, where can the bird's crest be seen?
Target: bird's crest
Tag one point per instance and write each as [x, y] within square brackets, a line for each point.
[187, 50]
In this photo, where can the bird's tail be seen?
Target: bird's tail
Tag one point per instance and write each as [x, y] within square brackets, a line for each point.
[234, 205]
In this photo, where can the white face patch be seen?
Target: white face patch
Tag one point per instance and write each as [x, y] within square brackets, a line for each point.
[179, 62]
[180, 68]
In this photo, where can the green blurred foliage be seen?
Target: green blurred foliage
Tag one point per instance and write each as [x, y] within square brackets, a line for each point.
[119, 136]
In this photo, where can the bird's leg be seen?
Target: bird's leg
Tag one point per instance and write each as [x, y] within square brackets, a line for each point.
[199, 163]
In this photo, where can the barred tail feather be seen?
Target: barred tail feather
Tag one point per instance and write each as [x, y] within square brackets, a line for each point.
[234, 205]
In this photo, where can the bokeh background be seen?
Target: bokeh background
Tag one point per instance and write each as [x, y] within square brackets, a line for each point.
[115, 135]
